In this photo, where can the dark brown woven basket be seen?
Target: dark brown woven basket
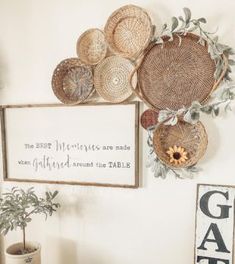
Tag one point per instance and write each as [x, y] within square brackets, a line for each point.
[72, 81]
[149, 118]
[173, 75]
[192, 138]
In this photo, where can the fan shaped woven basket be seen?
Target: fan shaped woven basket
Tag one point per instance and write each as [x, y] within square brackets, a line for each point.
[128, 31]
[175, 75]
[193, 138]
[72, 81]
[149, 118]
[91, 46]
[111, 79]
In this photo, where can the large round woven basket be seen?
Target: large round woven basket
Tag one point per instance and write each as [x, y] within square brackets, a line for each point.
[128, 31]
[111, 79]
[174, 75]
[191, 138]
[91, 46]
[72, 81]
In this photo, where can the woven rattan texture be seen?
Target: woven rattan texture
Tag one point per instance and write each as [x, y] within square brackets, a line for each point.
[128, 31]
[91, 46]
[193, 138]
[175, 75]
[148, 118]
[111, 79]
[72, 81]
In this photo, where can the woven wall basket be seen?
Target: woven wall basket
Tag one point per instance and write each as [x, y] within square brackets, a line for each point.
[128, 31]
[91, 46]
[72, 81]
[175, 75]
[111, 79]
[148, 118]
[193, 138]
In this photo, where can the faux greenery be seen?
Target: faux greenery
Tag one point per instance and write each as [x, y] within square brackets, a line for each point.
[220, 53]
[221, 98]
[18, 206]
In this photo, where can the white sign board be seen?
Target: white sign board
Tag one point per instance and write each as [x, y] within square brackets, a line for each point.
[86, 144]
[214, 225]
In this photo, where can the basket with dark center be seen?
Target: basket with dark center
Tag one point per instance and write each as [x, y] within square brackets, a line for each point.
[111, 79]
[128, 31]
[148, 118]
[91, 46]
[72, 81]
[174, 75]
[192, 138]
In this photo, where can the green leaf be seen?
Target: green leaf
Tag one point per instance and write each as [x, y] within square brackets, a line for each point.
[207, 109]
[231, 62]
[202, 42]
[228, 107]
[187, 14]
[172, 121]
[54, 194]
[164, 27]
[181, 19]
[202, 20]
[216, 111]
[175, 23]
[159, 40]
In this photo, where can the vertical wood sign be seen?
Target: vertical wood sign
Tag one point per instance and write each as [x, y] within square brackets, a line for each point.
[214, 225]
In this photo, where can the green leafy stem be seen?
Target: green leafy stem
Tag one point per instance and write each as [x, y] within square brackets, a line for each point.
[222, 98]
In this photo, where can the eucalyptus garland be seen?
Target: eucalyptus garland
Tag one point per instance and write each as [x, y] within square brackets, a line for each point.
[221, 98]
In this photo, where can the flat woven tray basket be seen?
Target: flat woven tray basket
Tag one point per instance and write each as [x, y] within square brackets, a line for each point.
[91, 46]
[72, 81]
[111, 79]
[175, 75]
[173, 143]
[128, 31]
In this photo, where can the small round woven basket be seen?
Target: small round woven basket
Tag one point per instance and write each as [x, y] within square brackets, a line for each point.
[174, 75]
[111, 79]
[128, 31]
[92, 46]
[72, 81]
[149, 118]
[191, 138]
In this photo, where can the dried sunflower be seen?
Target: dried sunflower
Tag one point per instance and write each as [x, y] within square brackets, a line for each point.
[178, 155]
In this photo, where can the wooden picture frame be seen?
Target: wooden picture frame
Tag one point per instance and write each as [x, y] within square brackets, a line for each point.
[214, 224]
[86, 144]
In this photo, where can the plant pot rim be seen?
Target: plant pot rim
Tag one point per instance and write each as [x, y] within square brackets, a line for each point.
[31, 243]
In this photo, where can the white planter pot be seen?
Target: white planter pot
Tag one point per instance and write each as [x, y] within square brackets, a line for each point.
[31, 258]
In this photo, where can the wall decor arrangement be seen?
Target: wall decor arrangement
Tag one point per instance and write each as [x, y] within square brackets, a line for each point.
[179, 73]
[72, 144]
[17, 207]
[214, 240]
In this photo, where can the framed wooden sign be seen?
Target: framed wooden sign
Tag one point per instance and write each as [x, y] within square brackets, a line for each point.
[85, 144]
[214, 240]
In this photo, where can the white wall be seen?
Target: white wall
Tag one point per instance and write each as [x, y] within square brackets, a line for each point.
[153, 224]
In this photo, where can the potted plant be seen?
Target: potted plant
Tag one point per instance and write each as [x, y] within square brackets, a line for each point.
[16, 210]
